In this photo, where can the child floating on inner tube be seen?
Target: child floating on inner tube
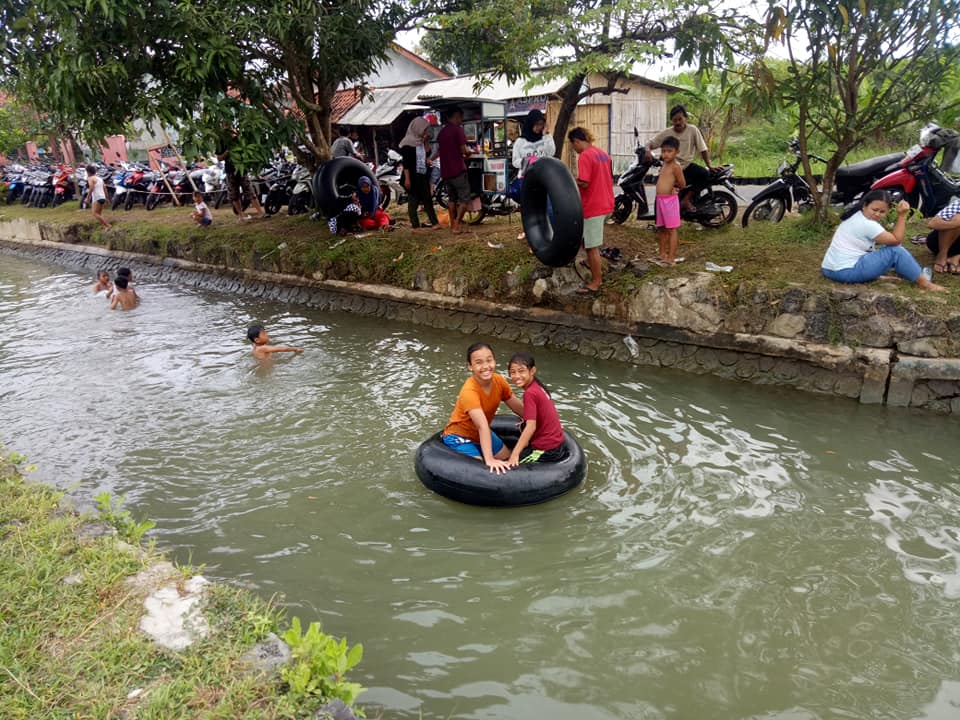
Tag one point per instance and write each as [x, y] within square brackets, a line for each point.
[542, 437]
[468, 431]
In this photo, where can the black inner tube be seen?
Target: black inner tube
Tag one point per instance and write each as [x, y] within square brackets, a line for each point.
[552, 212]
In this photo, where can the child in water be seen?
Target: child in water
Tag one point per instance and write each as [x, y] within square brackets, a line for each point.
[123, 295]
[541, 439]
[104, 284]
[468, 431]
[257, 334]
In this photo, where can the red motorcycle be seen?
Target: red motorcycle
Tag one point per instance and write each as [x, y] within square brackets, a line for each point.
[63, 188]
[918, 179]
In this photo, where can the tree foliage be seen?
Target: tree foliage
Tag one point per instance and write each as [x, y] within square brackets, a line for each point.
[255, 77]
[857, 68]
[572, 39]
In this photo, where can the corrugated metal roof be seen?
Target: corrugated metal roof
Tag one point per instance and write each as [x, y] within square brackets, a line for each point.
[383, 106]
[387, 103]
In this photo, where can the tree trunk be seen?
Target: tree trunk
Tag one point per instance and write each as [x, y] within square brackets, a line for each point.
[569, 97]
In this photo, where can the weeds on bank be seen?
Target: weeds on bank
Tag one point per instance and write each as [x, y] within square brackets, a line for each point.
[70, 645]
[112, 513]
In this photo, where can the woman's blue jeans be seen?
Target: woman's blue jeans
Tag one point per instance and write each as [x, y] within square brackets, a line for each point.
[876, 263]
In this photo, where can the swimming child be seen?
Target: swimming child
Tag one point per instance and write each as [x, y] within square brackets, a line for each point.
[123, 295]
[541, 439]
[669, 183]
[104, 284]
[257, 334]
[468, 431]
[201, 214]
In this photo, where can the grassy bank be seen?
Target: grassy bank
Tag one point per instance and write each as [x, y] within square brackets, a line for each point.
[70, 646]
[781, 255]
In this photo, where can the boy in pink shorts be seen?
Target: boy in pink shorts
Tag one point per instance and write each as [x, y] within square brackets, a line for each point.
[669, 184]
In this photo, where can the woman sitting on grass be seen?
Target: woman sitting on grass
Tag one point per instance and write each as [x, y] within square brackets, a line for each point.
[862, 250]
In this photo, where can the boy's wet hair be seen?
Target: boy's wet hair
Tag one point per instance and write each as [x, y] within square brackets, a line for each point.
[121, 282]
[670, 142]
[124, 272]
[477, 346]
[253, 332]
[91, 169]
[103, 271]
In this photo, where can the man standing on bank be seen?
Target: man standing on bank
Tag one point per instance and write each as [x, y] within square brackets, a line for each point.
[453, 167]
[691, 143]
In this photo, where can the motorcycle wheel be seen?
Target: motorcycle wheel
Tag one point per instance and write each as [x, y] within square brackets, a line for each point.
[221, 196]
[273, 203]
[128, 201]
[622, 207]
[440, 195]
[153, 199]
[57, 199]
[384, 196]
[727, 204]
[474, 217]
[44, 199]
[117, 199]
[298, 204]
[769, 209]
[11, 196]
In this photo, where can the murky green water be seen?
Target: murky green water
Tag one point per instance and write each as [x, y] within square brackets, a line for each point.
[735, 552]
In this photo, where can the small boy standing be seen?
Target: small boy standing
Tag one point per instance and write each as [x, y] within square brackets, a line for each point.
[257, 334]
[123, 295]
[669, 183]
[201, 214]
[96, 195]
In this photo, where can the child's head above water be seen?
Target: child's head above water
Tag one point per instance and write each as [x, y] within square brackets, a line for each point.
[122, 282]
[125, 272]
[254, 332]
[103, 275]
[477, 346]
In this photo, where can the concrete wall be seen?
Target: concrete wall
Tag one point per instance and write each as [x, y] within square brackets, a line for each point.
[774, 344]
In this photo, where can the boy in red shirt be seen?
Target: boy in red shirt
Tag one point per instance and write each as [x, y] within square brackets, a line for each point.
[595, 179]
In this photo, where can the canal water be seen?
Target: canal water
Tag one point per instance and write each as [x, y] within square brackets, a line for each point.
[735, 551]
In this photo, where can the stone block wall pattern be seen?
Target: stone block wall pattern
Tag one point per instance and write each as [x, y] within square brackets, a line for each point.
[869, 347]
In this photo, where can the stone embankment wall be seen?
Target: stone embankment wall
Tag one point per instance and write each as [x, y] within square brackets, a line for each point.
[850, 342]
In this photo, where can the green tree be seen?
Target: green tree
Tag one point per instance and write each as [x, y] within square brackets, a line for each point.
[257, 76]
[858, 68]
[572, 39]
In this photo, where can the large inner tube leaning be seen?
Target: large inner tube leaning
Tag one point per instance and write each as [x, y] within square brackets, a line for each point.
[335, 174]
[554, 229]
[470, 481]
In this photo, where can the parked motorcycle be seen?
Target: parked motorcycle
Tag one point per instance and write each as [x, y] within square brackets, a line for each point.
[301, 195]
[14, 176]
[790, 189]
[918, 178]
[63, 185]
[390, 178]
[710, 208]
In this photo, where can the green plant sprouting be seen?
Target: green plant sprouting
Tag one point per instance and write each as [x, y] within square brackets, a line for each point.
[319, 665]
[112, 512]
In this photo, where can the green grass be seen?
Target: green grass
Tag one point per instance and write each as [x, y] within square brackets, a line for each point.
[75, 651]
[780, 255]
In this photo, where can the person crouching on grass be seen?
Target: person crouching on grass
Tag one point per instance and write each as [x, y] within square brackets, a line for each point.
[201, 214]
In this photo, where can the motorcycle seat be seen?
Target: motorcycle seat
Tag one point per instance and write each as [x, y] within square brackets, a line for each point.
[871, 167]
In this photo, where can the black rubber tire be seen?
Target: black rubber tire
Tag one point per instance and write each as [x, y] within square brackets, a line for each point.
[467, 480]
[385, 195]
[129, 200]
[440, 195]
[58, 198]
[275, 201]
[554, 243]
[728, 203]
[770, 209]
[622, 207]
[297, 204]
[153, 199]
[27, 194]
[339, 171]
[117, 199]
[221, 195]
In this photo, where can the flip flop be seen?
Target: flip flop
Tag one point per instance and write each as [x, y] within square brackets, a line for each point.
[584, 290]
